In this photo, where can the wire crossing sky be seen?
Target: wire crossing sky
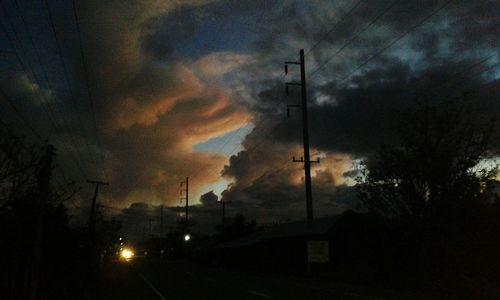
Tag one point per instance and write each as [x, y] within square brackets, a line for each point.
[143, 94]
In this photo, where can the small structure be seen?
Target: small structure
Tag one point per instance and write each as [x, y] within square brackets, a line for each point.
[283, 247]
[328, 244]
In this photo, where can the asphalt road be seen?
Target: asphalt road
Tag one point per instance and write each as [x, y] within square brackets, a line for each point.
[175, 280]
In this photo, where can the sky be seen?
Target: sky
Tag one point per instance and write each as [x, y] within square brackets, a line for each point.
[143, 94]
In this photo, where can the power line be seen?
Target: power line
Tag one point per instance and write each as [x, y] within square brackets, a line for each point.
[267, 174]
[233, 134]
[264, 135]
[377, 17]
[382, 50]
[229, 138]
[23, 119]
[41, 97]
[351, 10]
[44, 72]
[20, 115]
[87, 85]
[470, 77]
[66, 76]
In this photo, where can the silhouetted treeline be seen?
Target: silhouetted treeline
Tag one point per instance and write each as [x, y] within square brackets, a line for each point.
[431, 219]
[55, 257]
[434, 191]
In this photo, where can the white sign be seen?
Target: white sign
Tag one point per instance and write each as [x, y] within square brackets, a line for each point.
[318, 252]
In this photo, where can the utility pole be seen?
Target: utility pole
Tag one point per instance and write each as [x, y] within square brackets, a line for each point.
[44, 187]
[223, 211]
[161, 222]
[305, 131]
[93, 207]
[143, 231]
[186, 198]
[150, 232]
[223, 204]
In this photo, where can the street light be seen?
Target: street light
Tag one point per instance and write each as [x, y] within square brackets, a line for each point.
[126, 254]
[187, 237]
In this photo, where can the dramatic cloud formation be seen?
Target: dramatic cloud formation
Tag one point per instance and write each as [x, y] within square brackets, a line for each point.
[165, 76]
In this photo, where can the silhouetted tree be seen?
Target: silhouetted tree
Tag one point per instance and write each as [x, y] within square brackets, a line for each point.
[439, 169]
[20, 165]
[237, 227]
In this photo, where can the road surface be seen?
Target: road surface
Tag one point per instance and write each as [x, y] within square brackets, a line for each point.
[175, 280]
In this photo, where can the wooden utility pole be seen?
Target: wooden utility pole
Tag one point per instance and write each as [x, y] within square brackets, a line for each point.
[186, 198]
[150, 223]
[93, 207]
[223, 204]
[305, 131]
[161, 222]
[223, 211]
[44, 187]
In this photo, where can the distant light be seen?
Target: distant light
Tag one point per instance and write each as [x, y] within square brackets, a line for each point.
[126, 254]
[120, 239]
[187, 237]
[121, 244]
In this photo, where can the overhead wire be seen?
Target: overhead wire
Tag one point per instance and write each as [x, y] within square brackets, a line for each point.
[401, 36]
[62, 115]
[354, 37]
[326, 35]
[258, 125]
[434, 86]
[23, 119]
[45, 104]
[66, 77]
[87, 84]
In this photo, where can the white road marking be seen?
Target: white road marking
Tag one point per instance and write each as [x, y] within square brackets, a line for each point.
[259, 294]
[152, 286]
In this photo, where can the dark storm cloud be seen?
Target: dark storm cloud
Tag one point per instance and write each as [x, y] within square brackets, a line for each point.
[361, 119]
[467, 24]
[153, 105]
[167, 75]
[161, 32]
[355, 115]
[191, 31]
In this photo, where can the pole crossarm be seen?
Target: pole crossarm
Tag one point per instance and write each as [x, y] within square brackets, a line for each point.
[305, 132]
[290, 63]
[301, 160]
[97, 182]
[186, 182]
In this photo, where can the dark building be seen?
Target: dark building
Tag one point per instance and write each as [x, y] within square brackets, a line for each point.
[353, 239]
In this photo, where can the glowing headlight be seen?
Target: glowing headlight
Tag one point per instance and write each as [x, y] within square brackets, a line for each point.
[126, 254]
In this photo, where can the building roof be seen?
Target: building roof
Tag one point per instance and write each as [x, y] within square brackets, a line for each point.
[287, 230]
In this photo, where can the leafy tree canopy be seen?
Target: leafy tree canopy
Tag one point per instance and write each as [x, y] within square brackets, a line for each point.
[438, 169]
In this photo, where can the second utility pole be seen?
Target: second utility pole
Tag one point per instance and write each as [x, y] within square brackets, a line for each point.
[305, 133]
[93, 207]
[187, 197]
[44, 186]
